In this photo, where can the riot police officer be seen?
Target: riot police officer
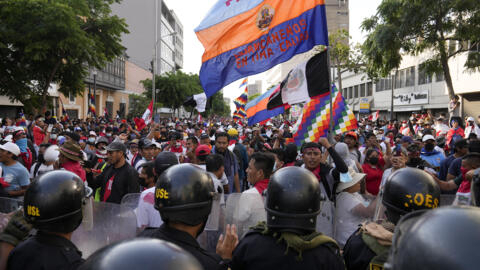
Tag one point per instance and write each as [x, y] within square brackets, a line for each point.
[146, 254]
[427, 241]
[183, 196]
[288, 239]
[53, 205]
[406, 190]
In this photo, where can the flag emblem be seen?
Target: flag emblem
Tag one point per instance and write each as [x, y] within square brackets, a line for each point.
[265, 17]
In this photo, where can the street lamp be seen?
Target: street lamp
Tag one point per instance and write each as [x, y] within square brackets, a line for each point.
[94, 89]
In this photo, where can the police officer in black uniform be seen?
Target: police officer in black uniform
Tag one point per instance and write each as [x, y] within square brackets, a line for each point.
[445, 238]
[139, 253]
[183, 196]
[406, 190]
[288, 239]
[53, 204]
[475, 188]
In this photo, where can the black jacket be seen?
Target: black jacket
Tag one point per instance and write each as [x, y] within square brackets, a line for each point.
[45, 251]
[258, 251]
[207, 259]
[356, 253]
[124, 182]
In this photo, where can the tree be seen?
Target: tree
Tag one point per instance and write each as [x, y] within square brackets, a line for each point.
[43, 42]
[343, 56]
[412, 27]
[138, 105]
[173, 88]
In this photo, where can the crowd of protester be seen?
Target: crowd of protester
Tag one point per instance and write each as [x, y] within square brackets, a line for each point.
[114, 159]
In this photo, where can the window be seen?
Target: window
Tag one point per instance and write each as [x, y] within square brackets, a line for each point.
[109, 106]
[362, 90]
[72, 114]
[378, 86]
[388, 83]
[122, 110]
[410, 81]
[402, 78]
[350, 92]
[369, 89]
[423, 77]
[356, 91]
[71, 98]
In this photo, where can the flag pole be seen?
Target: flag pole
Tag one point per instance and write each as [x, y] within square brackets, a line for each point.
[330, 126]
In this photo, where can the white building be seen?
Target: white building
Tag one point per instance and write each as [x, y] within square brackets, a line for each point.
[414, 90]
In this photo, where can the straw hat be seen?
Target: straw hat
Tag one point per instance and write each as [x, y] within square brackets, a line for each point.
[356, 177]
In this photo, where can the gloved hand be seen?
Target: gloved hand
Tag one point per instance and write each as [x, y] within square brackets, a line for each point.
[16, 230]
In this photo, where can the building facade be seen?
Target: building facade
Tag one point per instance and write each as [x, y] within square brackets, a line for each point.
[414, 90]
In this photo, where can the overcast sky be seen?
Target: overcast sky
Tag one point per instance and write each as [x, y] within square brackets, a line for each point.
[191, 12]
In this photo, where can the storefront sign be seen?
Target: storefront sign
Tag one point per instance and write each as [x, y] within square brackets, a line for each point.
[411, 98]
[364, 105]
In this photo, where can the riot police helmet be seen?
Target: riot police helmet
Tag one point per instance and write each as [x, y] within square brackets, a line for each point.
[184, 193]
[141, 253]
[293, 200]
[54, 202]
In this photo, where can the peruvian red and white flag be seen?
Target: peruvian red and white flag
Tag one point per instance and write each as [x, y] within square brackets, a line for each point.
[199, 118]
[374, 116]
[147, 115]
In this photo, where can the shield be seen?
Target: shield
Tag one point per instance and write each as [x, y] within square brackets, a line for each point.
[131, 200]
[104, 224]
[7, 207]
[215, 224]
[244, 210]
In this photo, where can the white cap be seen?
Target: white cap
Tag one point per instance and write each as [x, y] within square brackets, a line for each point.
[427, 137]
[470, 119]
[92, 133]
[11, 147]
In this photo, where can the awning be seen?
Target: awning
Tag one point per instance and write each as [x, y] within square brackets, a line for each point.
[4, 101]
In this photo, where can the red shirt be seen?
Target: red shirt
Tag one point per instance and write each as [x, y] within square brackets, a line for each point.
[76, 168]
[38, 135]
[373, 179]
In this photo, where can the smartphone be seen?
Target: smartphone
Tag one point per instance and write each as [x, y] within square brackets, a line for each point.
[387, 140]
[49, 129]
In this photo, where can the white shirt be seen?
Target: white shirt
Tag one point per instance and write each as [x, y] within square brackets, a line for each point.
[41, 170]
[147, 215]
[346, 222]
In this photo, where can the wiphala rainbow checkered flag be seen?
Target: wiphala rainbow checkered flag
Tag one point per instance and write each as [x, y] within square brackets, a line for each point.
[315, 119]
[240, 103]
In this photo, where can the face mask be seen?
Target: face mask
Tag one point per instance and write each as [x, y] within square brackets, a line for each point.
[429, 147]
[374, 160]
[404, 125]
[133, 136]
[22, 144]
[109, 134]
[92, 140]
[178, 144]
[53, 136]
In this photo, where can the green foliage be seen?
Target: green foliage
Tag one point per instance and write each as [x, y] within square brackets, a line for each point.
[138, 105]
[412, 27]
[174, 88]
[252, 97]
[43, 42]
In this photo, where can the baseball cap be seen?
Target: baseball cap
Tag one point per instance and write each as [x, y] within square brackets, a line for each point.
[92, 133]
[470, 119]
[407, 139]
[427, 137]
[204, 136]
[116, 146]
[202, 150]
[11, 147]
